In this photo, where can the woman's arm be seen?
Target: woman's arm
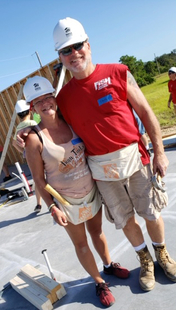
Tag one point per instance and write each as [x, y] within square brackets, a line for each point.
[35, 162]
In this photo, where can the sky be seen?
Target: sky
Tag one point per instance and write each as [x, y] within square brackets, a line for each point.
[143, 29]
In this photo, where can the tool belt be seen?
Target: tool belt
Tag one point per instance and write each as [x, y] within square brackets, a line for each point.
[117, 165]
[82, 209]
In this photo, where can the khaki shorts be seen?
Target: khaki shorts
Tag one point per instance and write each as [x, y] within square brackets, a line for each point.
[134, 194]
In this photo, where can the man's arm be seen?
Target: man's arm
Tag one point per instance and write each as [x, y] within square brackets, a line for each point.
[151, 124]
[19, 149]
[21, 137]
[169, 101]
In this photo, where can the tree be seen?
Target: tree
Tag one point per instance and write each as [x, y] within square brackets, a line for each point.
[150, 67]
[167, 60]
[137, 69]
[174, 51]
[129, 61]
[145, 73]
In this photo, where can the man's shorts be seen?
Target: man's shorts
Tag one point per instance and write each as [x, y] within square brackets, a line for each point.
[136, 194]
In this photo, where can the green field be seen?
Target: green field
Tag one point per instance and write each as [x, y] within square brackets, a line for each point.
[157, 95]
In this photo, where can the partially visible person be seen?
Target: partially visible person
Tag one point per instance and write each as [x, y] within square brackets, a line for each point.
[23, 111]
[54, 150]
[142, 132]
[172, 88]
[57, 68]
[5, 168]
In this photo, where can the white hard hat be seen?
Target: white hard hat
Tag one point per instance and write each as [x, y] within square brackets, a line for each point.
[36, 87]
[68, 31]
[22, 106]
[173, 69]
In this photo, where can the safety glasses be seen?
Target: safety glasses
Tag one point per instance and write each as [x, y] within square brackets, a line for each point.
[40, 102]
[68, 50]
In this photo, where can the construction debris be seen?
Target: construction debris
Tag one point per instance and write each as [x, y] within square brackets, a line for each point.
[37, 288]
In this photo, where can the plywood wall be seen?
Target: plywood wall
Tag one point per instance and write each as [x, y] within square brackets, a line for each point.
[8, 98]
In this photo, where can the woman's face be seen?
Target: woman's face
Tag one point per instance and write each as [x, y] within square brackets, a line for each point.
[45, 104]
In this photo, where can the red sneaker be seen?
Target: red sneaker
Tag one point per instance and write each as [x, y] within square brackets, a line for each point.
[116, 270]
[105, 295]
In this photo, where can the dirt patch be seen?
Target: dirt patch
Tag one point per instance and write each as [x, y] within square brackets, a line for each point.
[168, 131]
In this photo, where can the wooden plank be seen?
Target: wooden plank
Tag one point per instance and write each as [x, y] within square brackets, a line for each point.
[31, 292]
[53, 298]
[61, 292]
[9, 133]
[36, 275]
[56, 290]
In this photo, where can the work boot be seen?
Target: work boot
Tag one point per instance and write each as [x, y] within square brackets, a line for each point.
[146, 276]
[165, 261]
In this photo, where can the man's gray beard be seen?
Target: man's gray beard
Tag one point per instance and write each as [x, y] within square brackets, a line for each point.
[82, 68]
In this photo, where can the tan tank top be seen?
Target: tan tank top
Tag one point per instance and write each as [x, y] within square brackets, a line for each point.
[66, 167]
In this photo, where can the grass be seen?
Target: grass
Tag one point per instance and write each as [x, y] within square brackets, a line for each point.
[157, 96]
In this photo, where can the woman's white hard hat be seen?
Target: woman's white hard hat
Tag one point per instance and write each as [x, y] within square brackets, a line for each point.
[67, 32]
[37, 86]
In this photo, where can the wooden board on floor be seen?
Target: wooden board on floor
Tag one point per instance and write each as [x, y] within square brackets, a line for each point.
[32, 293]
[37, 288]
[53, 287]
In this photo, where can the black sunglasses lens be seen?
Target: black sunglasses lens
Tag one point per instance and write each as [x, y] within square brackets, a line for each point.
[78, 46]
[68, 50]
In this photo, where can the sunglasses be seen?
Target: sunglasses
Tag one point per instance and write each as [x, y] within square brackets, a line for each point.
[171, 72]
[68, 50]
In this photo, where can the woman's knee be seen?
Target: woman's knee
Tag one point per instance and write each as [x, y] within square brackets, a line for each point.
[94, 226]
[82, 247]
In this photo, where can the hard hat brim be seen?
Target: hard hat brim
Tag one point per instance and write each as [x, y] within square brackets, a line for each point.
[39, 94]
[71, 42]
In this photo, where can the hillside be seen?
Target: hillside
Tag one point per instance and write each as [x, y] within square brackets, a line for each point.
[157, 95]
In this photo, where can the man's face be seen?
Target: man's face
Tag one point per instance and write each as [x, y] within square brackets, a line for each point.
[77, 62]
[172, 75]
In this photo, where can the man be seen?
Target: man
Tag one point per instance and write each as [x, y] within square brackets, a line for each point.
[172, 87]
[97, 102]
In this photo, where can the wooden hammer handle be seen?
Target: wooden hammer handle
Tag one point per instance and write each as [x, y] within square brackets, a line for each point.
[56, 195]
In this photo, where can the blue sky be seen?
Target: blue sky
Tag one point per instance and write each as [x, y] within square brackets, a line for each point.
[115, 28]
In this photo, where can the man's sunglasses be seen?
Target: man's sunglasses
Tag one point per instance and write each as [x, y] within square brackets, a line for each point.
[171, 72]
[68, 50]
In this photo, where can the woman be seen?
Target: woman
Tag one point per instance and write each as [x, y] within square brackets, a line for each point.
[53, 150]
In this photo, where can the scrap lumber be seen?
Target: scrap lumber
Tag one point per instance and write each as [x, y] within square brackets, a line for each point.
[31, 293]
[37, 287]
[53, 287]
